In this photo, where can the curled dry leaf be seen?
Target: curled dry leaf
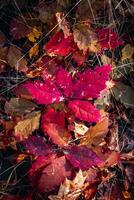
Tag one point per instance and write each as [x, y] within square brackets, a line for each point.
[63, 24]
[34, 34]
[19, 106]
[80, 128]
[95, 135]
[25, 128]
[71, 189]
[86, 39]
[34, 50]
[16, 60]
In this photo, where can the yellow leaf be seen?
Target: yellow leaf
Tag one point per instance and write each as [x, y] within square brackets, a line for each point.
[34, 50]
[96, 133]
[106, 60]
[127, 52]
[34, 35]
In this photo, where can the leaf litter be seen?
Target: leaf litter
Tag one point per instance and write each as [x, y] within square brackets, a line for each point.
[66, 100]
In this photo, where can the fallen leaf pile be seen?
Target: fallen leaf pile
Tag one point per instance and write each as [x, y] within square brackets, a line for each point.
[66, 101]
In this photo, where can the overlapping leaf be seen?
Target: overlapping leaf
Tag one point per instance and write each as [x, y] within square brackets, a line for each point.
[82, 157]
[84, 110]
[43, 93]
[53, 124]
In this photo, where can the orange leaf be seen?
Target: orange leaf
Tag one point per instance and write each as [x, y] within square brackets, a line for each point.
[96, 133]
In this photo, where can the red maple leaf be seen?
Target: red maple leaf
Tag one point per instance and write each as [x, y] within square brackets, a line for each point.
[65, 82]
[59, 45]
[108, 39]
[84, 110]
[43, 93]
[91, 82]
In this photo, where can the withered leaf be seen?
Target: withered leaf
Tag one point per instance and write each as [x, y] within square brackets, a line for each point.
[85, 38]
[16, 59]
[3, 57]
[25, 128]
[71, 189]
[124, 93]
[95, 134]
[127, 52]
[34, 50]
[19, 106]
[63, 24]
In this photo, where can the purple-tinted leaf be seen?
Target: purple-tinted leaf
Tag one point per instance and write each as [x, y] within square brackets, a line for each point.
[82, 157]
[37, 146]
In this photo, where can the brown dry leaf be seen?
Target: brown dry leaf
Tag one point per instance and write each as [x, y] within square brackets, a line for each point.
[19, 106]
[2, 39]
[63, 24]
[34, 35]
[127, 52]
[34, 50]
[3, 58]
[87, 10]
[64, 3]
[95, 134]
[71, 189]
[46, 11]
[106, 60]
[16, 59]
[24, 128]
[85, 38]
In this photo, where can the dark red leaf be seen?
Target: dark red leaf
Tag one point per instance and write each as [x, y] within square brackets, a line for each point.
[37, 146]
[79, 57]
[19, 29]
[43, 93]
[37, 167]
[82, 157]
[54, 174]
[65, 82]
[91, 82]
[49, 67]
[84, 110]
[53, 124]
[58, 45]
[108, 39]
